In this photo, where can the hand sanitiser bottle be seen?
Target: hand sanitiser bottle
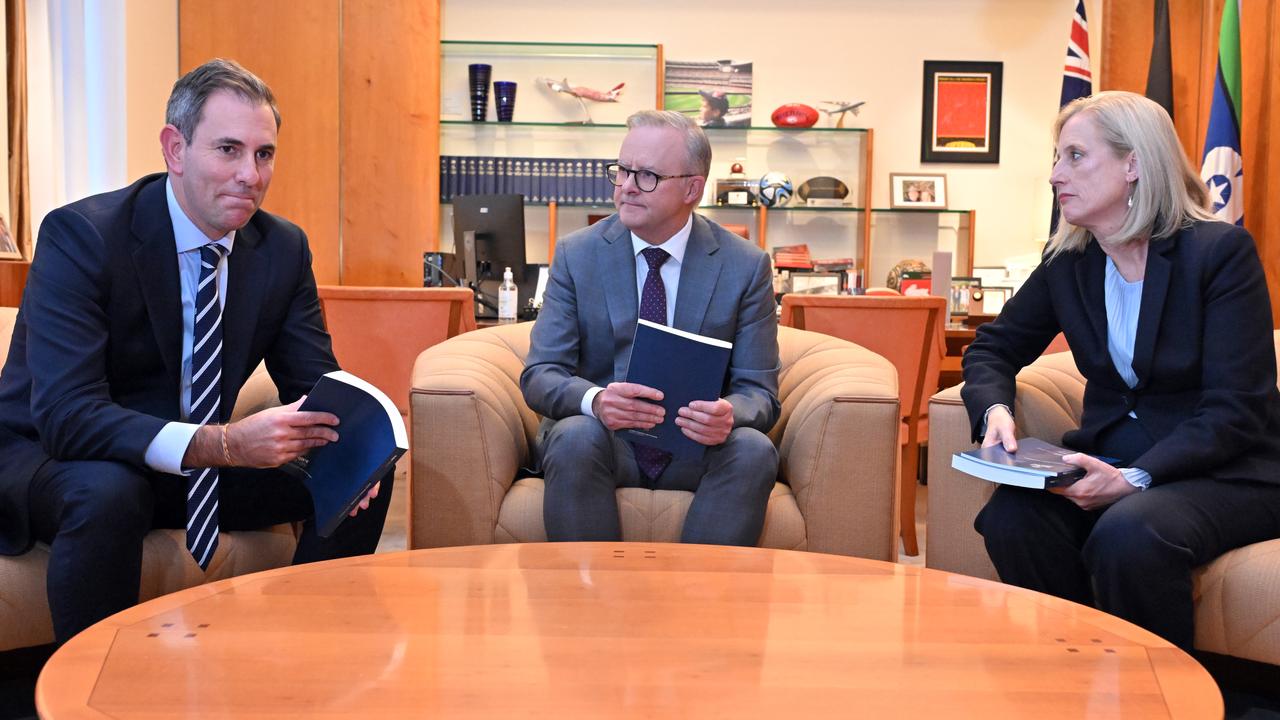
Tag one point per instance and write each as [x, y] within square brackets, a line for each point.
[508, 298]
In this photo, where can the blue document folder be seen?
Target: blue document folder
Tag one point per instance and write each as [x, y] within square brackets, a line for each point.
[685, 367]
[371, 438]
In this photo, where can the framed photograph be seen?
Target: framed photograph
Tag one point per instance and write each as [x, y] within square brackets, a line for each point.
[715, 93]
[994, 298]
[961, 112]
[8, 246]
[921, 191]
[962, 289]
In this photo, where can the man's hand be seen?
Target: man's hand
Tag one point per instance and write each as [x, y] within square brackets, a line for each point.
[275, 436]
[1000, 429]
[265, 439]
[364, 502]
[1101, 486]
[706, 422]
[625, 405]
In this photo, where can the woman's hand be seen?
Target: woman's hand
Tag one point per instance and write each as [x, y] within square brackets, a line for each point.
[1000, 429]
[1101, 486]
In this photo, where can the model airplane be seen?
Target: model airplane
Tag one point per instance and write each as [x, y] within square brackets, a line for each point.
[841, 107]
[582, 94]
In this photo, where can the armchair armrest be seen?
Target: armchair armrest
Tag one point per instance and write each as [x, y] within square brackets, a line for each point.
[467, 418]
[1050, 397]
[839, 442]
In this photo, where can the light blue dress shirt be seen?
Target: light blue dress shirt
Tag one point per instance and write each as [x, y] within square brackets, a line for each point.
[670, 273]
[1124, 301]
[167, 448]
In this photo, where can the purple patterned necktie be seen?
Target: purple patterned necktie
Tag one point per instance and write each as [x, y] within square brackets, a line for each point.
[653, 307]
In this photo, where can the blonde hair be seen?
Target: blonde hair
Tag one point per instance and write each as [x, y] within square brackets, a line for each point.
[697, 147]
[1168, 194]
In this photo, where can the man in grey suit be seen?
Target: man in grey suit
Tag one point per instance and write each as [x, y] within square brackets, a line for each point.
[654, 259]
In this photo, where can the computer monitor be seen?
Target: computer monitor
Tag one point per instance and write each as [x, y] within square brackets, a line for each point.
[492, 226]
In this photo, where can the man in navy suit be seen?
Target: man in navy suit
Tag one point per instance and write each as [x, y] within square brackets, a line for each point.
[99, 436]
[658, 260]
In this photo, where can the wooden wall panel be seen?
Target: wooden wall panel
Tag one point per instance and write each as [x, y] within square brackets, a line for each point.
[390, 139]
[293, 46]
[1194, 26]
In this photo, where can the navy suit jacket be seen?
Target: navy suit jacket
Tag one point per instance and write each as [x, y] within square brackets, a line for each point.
[585, 329]
[94, 367]
[1203, 354]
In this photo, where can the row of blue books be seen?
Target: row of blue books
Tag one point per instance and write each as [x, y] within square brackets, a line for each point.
[567, 181]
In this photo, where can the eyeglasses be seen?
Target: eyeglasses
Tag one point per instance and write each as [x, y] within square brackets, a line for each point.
[646, 180]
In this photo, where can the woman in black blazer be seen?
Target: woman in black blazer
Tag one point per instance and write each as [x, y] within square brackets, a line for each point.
[1168, 317]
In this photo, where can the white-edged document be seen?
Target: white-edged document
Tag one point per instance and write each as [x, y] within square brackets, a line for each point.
[371, 438]
[1036, 464]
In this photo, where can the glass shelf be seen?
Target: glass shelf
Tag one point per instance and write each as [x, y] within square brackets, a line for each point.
[491, 124]
[549, 49]
[935, 211]
[787, 130]
[788, 208]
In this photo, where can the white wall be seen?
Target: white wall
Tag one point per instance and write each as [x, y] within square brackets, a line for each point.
[873, 50]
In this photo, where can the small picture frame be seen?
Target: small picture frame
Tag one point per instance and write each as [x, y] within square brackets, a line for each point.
[919, 191]
[962, 289]
[994, 298]
[8, 245]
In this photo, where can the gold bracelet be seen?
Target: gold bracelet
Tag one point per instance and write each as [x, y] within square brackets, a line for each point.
[226, 452]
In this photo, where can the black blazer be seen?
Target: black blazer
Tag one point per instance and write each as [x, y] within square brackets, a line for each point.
[1203, 354]
[94, 367]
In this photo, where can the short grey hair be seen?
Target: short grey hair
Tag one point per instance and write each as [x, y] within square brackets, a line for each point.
[186, 101]
[697, 147]
[1168, 194]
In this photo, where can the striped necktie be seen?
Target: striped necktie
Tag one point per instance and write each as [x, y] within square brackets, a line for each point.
[206, 392]
[653, 307]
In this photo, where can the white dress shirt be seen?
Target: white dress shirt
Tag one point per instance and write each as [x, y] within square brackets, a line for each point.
[670, 273]
[167, 448]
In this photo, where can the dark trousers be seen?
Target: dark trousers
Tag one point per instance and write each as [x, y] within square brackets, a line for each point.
[1134, 558]
[95, 514]
[584, 464]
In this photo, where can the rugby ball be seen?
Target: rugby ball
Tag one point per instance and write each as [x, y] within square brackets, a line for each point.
[794, 115]
[822, 187]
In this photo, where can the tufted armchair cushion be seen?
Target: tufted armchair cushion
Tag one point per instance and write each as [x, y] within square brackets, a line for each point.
[1237, 595]
[837, 443]
[166, 564]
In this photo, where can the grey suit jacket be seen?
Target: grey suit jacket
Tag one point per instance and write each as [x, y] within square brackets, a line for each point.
[588, 320]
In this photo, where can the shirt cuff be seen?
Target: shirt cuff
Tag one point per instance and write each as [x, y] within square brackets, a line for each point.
[587, 399]
[167, 448]
[1137, 477]
[983, 430]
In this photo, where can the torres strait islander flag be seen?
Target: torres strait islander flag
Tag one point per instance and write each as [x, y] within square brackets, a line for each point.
[1222, 168]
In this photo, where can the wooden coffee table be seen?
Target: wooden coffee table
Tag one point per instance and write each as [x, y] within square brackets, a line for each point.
[579, 630]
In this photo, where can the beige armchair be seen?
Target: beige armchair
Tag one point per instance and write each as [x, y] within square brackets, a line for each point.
[1237, 597]
[166, 565]
[837, 439]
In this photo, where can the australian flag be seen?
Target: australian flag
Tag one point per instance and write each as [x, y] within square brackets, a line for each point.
[1222, 168]
[1077, 79]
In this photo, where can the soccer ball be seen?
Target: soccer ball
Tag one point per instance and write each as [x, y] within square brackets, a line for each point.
[775, 189]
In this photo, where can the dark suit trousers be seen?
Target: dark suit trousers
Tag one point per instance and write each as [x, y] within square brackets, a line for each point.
[1134, 558]
[95, 514]
[584, 464]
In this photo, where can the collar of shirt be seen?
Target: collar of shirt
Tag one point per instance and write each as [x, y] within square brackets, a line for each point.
[185, 233]
[674, 245]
